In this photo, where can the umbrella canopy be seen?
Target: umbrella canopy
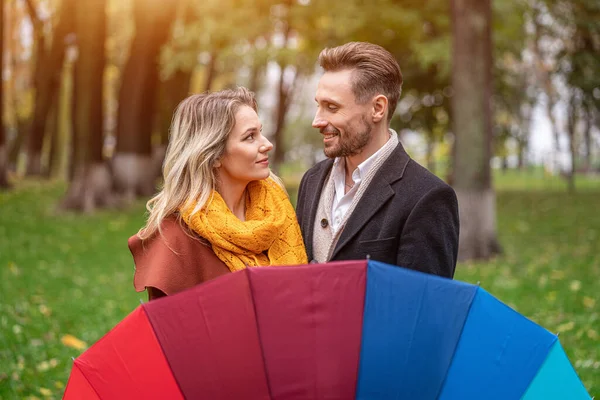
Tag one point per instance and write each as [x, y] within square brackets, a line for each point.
[341, 330]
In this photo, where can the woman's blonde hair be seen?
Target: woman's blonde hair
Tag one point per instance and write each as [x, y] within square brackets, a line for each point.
[199, 131]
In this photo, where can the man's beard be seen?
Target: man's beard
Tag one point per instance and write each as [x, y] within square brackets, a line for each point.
[352, 143]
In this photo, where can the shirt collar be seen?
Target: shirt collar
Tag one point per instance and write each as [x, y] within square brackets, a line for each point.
[365, 166]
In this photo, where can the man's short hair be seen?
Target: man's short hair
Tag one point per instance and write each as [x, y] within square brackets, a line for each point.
[375, 71]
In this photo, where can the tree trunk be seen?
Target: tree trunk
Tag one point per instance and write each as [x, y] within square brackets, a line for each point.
[171, 93]
[3, 150]
[210, 71]
[521, 154]
[571, 127]
[16, 86]
[91, 184]
[587, 138]
[47, 80]
[430, 156]
[256, 73]
[35, 138]
[283, 102]
[53, 169]
[132, 163]
[504, 164]
[472, 124]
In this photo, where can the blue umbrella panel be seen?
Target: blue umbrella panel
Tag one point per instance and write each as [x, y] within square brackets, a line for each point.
[426, 337]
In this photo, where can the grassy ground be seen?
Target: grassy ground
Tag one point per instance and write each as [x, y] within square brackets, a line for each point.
[65, 280]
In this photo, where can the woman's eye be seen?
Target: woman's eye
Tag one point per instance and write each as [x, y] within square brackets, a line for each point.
[250, 137]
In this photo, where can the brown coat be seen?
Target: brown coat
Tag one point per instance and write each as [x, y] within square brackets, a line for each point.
[172, 262]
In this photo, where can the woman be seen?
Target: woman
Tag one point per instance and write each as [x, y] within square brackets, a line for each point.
[221, 209]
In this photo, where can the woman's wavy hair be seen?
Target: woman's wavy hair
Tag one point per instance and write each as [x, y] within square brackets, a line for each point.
[199, 131]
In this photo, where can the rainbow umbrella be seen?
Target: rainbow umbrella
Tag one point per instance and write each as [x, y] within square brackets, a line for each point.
[341, 330]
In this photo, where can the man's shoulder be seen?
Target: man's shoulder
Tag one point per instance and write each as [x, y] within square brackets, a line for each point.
[321, 165]
[318, 168]
[419, 176]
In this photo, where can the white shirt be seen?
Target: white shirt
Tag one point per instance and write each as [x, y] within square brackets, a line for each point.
[341, 201]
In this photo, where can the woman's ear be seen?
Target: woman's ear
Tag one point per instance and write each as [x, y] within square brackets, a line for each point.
[380, 105]
[218, 163]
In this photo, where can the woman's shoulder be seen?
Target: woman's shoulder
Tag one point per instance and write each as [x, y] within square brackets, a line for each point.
[170, 230]
[173, 259]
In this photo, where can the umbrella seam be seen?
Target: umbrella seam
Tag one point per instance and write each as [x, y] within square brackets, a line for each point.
[87, 380]
[458, 341]
[163, 351]
[262, 350]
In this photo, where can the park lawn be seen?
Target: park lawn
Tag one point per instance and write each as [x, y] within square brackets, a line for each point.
[65, 280]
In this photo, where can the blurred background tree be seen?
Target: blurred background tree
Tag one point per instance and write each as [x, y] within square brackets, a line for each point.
[89, 89]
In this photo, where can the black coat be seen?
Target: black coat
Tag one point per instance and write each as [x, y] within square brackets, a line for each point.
[407, 217]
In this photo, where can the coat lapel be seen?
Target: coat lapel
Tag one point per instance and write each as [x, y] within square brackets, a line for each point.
[314, 185]
[376, 195]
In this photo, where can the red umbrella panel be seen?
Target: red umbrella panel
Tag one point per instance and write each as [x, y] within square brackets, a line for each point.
[205, 342]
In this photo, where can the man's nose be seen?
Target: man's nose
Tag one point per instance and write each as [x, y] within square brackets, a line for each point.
[318, 122]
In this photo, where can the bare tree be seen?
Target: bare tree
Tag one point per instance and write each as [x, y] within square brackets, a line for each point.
[3, 150]
[472, 125]
[91, 183]
[48, 69]
[132, 164]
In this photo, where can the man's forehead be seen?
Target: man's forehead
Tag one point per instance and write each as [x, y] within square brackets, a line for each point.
[335, 84]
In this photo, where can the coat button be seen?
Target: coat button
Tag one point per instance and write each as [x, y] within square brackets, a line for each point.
[324, 223]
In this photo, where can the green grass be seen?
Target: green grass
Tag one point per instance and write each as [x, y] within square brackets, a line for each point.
[64, 274]
[538, 180]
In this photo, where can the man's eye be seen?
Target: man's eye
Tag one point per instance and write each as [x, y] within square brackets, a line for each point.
[331, 107]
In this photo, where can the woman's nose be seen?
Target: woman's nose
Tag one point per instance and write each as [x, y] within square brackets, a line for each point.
[266, 146]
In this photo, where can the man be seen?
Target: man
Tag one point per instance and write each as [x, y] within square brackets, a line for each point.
[370, 199]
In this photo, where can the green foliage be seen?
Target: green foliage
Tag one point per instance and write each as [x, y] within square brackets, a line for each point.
[66, 278]
[60, 275]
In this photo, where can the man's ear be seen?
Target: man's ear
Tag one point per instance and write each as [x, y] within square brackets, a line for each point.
[380, 106]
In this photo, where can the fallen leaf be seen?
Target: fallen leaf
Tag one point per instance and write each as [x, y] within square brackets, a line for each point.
[592, 334]
[45, 392]
[43, 366]
[575, 285]
[45, 310]
[73, 342]
[14, 269]
[59, 385]
[588, 302]
[567, 326]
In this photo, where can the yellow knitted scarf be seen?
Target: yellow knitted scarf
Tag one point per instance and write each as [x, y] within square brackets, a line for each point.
[269, 236]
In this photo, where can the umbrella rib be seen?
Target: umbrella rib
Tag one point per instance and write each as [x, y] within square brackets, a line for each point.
[164, 353]
[456, 346]
[260, 341]
[86, 379]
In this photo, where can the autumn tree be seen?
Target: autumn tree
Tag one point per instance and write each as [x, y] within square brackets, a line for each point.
[3, 147]
[132, 163]
[472, 125]
[91, 184]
